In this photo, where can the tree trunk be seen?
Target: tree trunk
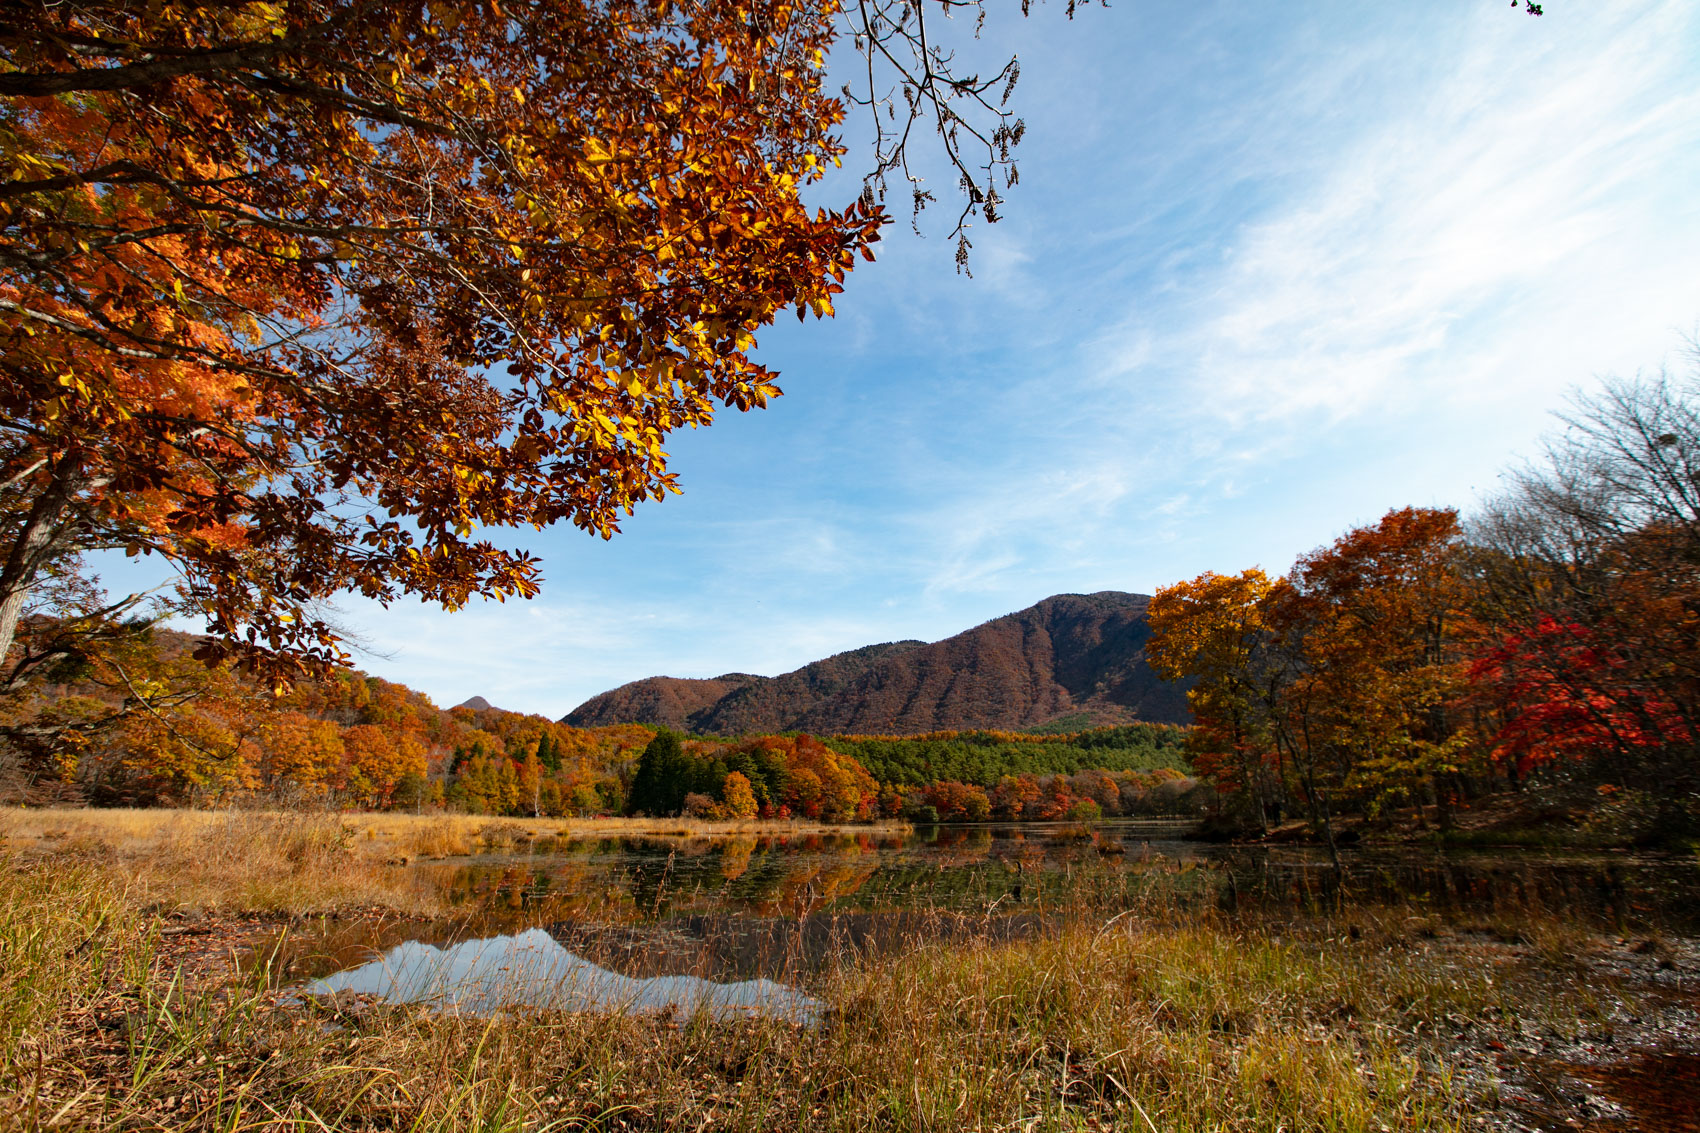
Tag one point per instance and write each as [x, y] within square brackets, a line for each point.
[31, 549]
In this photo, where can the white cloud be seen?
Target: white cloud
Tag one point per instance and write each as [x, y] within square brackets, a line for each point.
[1525, 178]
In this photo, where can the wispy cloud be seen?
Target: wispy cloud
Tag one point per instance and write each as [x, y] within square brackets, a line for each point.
[1497, 194]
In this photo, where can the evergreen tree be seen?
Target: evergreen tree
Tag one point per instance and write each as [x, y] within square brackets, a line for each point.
[663, 777]
[548, 752]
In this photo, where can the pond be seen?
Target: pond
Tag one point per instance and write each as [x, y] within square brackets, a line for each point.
[737, 924]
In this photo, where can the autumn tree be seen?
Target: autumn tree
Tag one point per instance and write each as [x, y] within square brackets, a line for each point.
[1013, 795]
[182, 755]
[123, 711]
[1100, 788]
[1588, 568]
[300, 297]
[804, 793]
[376, 759]
[1214, 631]
[845, 790]
[532, 776]
[486, 784]
[737, 797]
[1381, 618]
[1338, 686]
[957, 802]
[300, 751]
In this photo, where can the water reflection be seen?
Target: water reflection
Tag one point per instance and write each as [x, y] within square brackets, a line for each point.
[532, 969]
[635, 879]
[778, 907]
[972, 869]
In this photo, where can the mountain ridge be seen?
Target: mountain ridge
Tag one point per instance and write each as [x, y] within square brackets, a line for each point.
[1069, 655]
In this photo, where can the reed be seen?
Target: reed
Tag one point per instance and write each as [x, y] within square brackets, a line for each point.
[143, 829]
[1178, 1021]
[303, 862]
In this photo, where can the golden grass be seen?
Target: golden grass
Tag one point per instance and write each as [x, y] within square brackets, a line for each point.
[1196, 1025]
[301, 863]
[131, 829]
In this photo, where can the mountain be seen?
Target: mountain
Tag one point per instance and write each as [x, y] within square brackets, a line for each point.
[476, 703]
[1074, 659]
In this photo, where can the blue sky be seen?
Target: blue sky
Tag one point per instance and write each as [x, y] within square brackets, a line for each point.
[1269, 272]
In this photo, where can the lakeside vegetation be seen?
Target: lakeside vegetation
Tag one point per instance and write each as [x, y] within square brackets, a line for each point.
[1424, 662]
[293, 863]
[1169, 1011]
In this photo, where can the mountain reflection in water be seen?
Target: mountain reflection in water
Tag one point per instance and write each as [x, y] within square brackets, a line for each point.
[532, 969]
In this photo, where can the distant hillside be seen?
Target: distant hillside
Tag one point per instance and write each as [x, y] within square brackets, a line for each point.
[1078, 658]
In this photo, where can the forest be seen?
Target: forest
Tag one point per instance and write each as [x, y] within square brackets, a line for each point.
[1547, 645]
[982, 758]
[216, 737]
[944, 777]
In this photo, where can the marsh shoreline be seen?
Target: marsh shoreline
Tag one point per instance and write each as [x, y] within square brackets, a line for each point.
[148, 987]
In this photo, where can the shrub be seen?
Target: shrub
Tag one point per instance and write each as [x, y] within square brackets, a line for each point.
[1084, 810]
[701, 806]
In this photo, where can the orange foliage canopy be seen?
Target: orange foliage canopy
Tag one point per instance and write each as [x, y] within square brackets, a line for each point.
[1214, 630]
[1337, 682]
[300, 296]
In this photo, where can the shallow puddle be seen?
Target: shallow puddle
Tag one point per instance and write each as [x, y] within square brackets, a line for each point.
[533, 969]
[1660, 1089]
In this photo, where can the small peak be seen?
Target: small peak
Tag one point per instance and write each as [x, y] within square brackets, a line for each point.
[476, 703]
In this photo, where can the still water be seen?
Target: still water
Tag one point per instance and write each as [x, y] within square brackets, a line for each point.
[533, 969]
[736, 925]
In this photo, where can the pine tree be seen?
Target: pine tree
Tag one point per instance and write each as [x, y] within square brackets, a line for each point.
[659, 785]
[549, 752]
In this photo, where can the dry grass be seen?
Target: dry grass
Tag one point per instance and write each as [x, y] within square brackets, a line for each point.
[1190, 1026]
[291, 864]
[416, 834]
[378, 833]
[302, 862]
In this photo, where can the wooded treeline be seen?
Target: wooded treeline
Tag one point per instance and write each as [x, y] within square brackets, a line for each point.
[983, 757]
[1553, 638]
[141, 721]
[1108, 771]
